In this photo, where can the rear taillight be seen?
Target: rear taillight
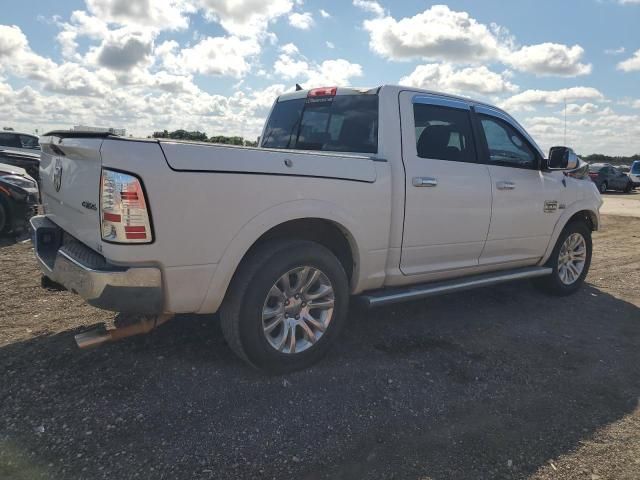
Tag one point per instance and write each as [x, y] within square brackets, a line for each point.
[124, 216]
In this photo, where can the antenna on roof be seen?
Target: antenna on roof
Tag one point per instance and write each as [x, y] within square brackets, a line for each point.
[298, 87]
[565, 121]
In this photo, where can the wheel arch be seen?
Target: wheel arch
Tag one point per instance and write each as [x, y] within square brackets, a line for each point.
[586, 214]
[315, 220]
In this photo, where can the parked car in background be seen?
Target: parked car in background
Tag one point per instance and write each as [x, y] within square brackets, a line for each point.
[19, 199]
[30, 161]
[634, 173]
[607, 177]
[22, 142]
[388, 193]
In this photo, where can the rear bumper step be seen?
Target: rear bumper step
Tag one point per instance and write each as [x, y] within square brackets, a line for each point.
[414, 292]
[83, 271]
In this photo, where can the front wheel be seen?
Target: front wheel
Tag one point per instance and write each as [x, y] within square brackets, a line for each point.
[570, 261]
[603, 187]
[285, 306]
[628, 188]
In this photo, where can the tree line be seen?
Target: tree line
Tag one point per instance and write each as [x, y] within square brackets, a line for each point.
[196, 136]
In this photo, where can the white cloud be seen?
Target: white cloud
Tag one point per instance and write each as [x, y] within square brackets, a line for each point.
[289, 49]
[324, 13]
[601, 132]
[631, 64]
[615, 51]
[291, 65]
[211, 56]
[530, 98]
[472, 80]
[244, 17]
[157, 14]
[440, 33]
[333, 72]
[330, 44]
[123, 50]
[303, 21]
[636, 104]
[549, 59]
[584, 109]
[437, 33]
[370, 7]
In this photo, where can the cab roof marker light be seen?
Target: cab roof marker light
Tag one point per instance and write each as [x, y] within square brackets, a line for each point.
[323, 92]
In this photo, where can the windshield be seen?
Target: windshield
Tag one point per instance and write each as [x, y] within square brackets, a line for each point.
[635, 168]
[341, 123]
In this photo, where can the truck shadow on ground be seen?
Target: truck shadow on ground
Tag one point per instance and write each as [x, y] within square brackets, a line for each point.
[491, 383]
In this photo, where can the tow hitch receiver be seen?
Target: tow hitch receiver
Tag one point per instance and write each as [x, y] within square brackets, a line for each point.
[138, 325]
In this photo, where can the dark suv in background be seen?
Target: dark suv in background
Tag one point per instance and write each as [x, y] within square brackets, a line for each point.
[607, 177]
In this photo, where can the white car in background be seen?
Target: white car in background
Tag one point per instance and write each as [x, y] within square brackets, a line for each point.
[18, 141]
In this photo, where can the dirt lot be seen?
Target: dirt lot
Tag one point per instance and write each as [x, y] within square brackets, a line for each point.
[502, 382]
[625, 204]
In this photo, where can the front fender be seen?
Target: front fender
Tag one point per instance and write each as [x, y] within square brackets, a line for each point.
[261, 224]
[592, 207]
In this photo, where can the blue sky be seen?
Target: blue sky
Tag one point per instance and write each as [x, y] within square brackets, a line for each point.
[216, 65]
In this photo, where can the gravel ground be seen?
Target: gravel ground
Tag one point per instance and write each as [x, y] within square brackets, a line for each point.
[502, 382]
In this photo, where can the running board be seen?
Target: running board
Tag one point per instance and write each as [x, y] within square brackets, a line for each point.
[413, 292]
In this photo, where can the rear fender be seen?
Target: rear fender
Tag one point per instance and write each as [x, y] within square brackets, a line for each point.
[262, 223]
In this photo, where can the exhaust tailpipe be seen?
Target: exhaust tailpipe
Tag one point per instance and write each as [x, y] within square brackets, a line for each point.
[101, 335]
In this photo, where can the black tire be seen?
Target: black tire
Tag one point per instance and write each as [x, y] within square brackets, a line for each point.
[5, 221]
[628, 188]
[552, 284]
[603, 187]
[241, 311]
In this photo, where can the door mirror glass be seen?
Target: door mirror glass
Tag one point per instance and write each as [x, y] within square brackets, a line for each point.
[562, 158]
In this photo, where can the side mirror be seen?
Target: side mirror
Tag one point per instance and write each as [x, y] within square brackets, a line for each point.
[562, 159]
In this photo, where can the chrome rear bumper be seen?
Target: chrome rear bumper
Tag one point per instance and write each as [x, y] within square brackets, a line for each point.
[85, 272]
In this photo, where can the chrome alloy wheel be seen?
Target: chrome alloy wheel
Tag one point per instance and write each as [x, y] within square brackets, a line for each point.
[572, 258]
[298, 309]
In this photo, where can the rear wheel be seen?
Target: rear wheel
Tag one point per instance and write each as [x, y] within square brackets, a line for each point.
[603, 187]
[285, 305]
[628, 188]
[570, 261]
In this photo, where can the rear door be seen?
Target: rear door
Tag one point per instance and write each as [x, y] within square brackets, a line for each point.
[527, 202]
[448, 193]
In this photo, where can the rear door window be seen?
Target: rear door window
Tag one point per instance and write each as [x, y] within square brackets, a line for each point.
[443, 133]
[341, 123]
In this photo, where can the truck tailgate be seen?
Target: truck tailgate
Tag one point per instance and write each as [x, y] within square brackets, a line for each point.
[70, 170]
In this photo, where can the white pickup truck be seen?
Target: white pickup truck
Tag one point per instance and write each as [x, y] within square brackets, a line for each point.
[387, 194]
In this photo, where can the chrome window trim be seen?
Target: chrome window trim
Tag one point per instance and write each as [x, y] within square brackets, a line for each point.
[440, 102]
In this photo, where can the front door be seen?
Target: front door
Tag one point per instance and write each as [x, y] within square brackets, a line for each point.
[527, 202]
[448, 193]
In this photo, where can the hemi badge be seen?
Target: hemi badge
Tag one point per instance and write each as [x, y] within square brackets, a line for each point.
[550, 206]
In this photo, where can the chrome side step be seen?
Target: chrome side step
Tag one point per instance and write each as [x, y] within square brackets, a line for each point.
[394, 295]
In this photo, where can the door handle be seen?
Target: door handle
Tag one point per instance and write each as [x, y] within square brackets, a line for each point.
[425, 182]
[505, 185]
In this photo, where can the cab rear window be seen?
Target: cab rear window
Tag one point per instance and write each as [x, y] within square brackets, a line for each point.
[341, 123]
